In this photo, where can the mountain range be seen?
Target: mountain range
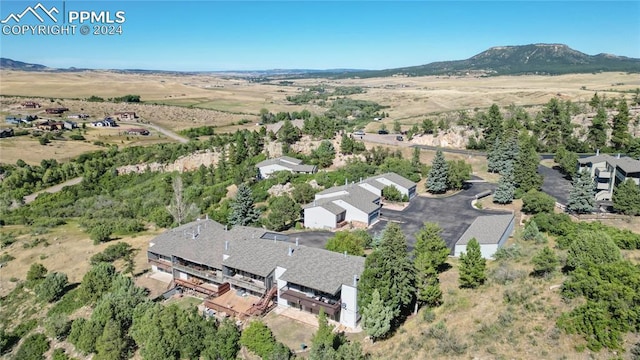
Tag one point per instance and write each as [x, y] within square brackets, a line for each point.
[546, 59]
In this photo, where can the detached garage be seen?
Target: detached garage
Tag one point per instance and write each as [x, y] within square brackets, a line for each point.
[491, 232]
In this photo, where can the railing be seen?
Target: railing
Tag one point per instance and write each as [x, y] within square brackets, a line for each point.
[163, 264]
[207, 289]
[246, 284]
[200, 273]
[330, 306]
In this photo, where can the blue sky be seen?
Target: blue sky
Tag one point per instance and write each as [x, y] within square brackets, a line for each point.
[244, 35]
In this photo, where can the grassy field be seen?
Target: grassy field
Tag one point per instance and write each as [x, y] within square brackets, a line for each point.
[407, 98]
[66, 248]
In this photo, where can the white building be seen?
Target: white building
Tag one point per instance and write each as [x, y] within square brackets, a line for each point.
[491, 232]
[355, 202]
[608, 172]
[207, 258]
[284, 163]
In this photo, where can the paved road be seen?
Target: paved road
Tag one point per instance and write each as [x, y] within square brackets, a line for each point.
[454, 214]
[555, 184]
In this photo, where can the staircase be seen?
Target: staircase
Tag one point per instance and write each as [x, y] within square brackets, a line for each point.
[259, 307]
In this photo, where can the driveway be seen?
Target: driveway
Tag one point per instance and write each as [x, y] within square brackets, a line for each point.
[454, 214]
[555, 184]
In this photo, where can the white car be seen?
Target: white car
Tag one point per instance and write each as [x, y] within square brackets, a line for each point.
[358, 133]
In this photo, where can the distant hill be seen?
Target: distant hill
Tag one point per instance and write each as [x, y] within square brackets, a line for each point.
[545, 59]
[8, 64]
[551, 59]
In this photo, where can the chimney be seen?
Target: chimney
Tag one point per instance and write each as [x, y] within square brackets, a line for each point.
[297, 243]
[225, 228]
[314, 202]
[226, 245]
[618, 156]
[198, 229]
[355, 280]
[275, 238]
[193, 235]
[597, 152]
[206, 216]
[290, 251]
[345, 253]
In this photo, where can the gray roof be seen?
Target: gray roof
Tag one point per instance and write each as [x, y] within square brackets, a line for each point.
[486, 229]
[627, 164]
[315, 268]
[321, 269]
[395, 178]
[288, 162]
[205, 248]
[275, 127]
[258, 257]
[356, 196]
[333, 208]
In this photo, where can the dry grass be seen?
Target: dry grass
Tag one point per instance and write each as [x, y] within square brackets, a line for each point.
[69, 251]
[408, 98]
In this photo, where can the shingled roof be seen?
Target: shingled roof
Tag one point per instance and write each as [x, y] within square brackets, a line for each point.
[627, 164]
[486, 229]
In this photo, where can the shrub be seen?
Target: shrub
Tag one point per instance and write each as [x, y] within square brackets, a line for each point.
[57, 326]
[100, 233]
[36, 272]
[52, 287]
[76, 137]
[33, 348]
[391, 193]
[112, 253]
[534, 202]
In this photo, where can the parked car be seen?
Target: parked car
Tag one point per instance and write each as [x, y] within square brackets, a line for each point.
[358, 133]
[383, 132]
[399, 138]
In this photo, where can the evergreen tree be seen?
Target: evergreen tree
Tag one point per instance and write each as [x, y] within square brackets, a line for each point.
[415, 157]
[112, 344]
[506, 189]
[581, 197]
[437, 177]
[492, 124]
[531, 232]
[597, 135]
[428, 286]
[324, 154]
[283, 211]
[324, 342]
[545, 262]
[595, 101]
[430, 249]
[525, 171]
[377, 317]
[493, 156]
[458, 171]
[389, 270]
[626, 198]
[620, 137]
[243, 210]
[472, 266]
[346, 145]
[288, 133]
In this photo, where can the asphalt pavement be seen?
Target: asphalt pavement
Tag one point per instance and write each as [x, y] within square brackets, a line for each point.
[555, 184]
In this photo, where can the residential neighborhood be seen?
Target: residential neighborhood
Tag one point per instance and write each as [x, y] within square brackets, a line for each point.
[284, 163]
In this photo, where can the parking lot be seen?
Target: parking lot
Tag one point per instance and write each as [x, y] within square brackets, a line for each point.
[453, 213]
[555, 184]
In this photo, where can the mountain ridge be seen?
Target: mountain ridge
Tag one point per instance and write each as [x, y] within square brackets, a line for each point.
[540, 58]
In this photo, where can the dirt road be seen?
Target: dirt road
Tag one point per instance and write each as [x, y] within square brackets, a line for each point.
[53, 189]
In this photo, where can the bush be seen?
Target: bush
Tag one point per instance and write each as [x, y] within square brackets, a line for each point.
[391, 193]
[52, 287]
[57, 326]
[534, 202]
[112, 253]
[33, 348]
[76, 137]
[36, 273]
[100, 233]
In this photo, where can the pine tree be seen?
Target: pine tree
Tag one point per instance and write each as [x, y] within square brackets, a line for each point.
[377, 317]
[428, 284]
[437, 177]
[597, 135]
[112, 344]
[545, 262]
[389, 270]
[581, 197]
[493, 156]
[620, 136]
[323, 342]
[492, 124]
[472, 266]
[525, 171]
[243, 210]
[506, 189]
[430, 248]
[626, 198]
[595, 101]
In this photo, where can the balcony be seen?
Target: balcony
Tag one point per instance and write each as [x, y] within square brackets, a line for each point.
[602, 186]
[210, 275]
[246, 283]
[603, 173]
[311, 303]
[162, 264]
